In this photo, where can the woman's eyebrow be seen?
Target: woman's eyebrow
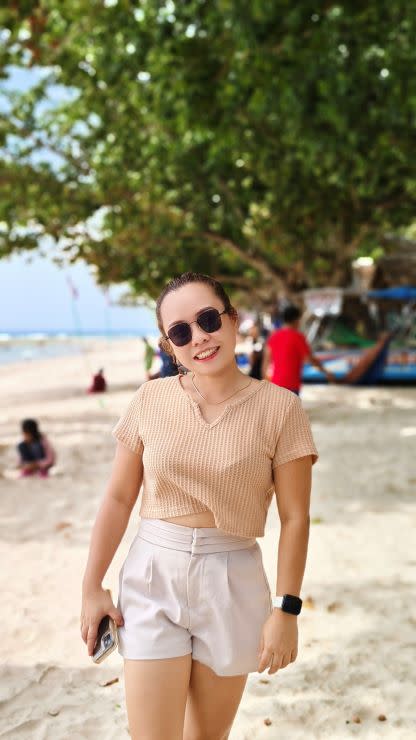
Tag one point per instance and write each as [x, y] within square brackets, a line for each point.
[179, 321]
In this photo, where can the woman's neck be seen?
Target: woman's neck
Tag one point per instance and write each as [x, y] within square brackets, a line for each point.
[221, 384]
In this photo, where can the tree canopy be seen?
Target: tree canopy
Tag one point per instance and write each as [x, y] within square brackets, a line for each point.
[264, 143]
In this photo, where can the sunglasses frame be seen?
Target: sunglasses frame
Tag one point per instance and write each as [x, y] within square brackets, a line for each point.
[189, 324]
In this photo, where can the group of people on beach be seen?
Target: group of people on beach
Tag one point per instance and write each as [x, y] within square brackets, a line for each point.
[277, 356]
[36, 454]
[209, 446]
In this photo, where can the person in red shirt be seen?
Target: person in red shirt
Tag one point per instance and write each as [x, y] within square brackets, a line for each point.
[287, 349]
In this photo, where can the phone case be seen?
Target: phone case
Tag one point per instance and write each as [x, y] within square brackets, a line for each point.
[107, 639]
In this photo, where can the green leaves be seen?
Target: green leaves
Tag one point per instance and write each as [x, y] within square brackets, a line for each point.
[252, 140]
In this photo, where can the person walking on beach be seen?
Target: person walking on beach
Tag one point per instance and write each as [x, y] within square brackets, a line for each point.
[287, 349]
[36, 454]
[195, 612]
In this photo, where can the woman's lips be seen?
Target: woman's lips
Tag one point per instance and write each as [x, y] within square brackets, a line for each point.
[210, 357]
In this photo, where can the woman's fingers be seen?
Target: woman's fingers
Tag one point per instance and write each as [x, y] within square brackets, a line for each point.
[265, 659]
[116, 614]
[275, 661]
[84, 631]
[95, 605]
[279, 661]
[91, 637]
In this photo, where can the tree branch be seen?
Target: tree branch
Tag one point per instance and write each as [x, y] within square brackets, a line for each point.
[258, 263]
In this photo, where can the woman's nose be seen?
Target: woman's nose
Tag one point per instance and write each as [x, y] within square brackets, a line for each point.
[198, 334]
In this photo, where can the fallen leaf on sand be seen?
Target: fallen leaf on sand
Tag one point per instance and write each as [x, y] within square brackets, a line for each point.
[333, 606]
[317, 520]
[267, 722]
[309, 603]
[382, 718]
[62, 525]
[109, 683]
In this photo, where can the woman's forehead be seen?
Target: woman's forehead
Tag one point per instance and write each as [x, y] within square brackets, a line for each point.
[185, 302]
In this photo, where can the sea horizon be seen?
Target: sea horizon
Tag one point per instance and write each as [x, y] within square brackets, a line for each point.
[58, 333]
[18, 345]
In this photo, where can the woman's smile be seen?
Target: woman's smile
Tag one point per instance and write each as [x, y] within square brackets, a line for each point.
[206, 354]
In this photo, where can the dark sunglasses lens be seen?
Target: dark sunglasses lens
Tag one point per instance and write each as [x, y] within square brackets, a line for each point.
[210, 320]
[180, 334]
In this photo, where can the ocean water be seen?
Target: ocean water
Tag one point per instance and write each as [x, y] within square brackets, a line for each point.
[18, 346]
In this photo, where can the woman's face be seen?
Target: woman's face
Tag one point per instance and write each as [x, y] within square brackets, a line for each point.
[185, 304]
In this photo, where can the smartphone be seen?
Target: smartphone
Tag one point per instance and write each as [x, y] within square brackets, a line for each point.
[107, 639]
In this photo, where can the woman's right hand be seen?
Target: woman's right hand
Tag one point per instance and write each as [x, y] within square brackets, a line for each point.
[96, 603]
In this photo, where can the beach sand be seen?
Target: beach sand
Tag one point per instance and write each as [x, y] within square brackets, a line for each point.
[357, 629]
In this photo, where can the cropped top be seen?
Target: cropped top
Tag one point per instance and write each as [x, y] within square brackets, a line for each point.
[225, 466]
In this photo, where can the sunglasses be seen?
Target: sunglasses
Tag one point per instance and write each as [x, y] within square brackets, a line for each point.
[208, 320]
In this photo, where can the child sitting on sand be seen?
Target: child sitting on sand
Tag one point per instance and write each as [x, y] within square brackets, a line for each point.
[98, 383]
[36, 454]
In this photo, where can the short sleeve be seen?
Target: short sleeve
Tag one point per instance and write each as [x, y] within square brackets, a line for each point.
[295, 439]
[127, 429]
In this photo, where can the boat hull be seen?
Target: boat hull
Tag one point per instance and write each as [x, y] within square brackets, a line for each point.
[400, 367]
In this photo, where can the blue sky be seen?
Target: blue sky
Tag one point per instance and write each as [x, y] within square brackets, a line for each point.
[35, 295]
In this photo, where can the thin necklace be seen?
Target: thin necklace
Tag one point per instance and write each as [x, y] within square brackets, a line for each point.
[216, 403]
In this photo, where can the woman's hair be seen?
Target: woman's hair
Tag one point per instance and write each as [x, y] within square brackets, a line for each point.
[185, 279]
[30, 426]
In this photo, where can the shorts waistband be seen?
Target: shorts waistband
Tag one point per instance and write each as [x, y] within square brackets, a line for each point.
[197, 540]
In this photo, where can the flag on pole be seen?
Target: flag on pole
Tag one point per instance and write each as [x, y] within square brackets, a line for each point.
[72, 287]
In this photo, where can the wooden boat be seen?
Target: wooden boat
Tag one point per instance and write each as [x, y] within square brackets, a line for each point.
[342, 325]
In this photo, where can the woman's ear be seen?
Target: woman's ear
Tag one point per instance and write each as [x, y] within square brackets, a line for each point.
[164, 345]
[233, 314]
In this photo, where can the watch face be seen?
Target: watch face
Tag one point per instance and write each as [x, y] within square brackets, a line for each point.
[291, 604]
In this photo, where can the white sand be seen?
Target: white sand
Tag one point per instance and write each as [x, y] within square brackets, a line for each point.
[357, 645]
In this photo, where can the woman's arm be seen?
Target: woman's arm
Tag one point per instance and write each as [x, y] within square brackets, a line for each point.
[293, 489]
[279, 644]
[49, 451]
[110, 524]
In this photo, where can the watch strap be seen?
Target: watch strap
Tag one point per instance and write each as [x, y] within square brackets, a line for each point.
[287, 603]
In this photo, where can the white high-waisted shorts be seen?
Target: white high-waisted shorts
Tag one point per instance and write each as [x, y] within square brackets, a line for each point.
[193, 590]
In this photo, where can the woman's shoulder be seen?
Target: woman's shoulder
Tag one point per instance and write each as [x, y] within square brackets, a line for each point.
[277, 395]
[158, 387]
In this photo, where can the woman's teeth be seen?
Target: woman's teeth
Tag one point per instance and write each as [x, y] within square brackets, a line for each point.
[207, 353]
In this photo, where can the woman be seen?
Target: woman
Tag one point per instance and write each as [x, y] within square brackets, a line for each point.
[195, 612]
[36, 454]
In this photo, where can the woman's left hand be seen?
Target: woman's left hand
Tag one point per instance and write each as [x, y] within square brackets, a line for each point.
[279, 641]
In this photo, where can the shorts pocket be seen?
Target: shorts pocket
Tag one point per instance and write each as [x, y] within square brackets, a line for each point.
[137, 572]
[256, 554]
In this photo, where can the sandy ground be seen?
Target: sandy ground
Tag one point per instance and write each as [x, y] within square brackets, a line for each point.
[356, 658]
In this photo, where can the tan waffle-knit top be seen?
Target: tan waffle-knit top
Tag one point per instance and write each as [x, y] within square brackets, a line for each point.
[226, 466]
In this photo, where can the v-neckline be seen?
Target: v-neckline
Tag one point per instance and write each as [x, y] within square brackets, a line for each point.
[232, 404]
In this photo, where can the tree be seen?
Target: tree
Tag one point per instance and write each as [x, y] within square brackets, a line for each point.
[264, 143]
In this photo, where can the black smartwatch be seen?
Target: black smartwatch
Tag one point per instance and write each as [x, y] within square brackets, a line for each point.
[287, 603]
